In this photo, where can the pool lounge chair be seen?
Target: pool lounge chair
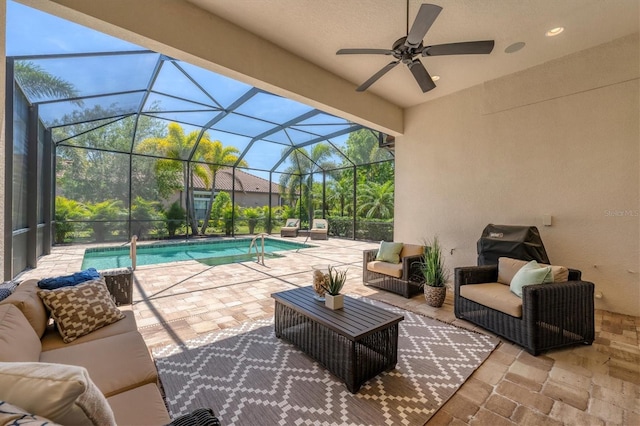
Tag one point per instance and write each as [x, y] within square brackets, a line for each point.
[290, 228]
[319, 229]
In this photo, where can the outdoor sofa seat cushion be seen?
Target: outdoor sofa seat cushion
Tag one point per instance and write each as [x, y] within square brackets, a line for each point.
[149, 406]
[115, 364]
[53, 340]
[494, 295]
[381, 267]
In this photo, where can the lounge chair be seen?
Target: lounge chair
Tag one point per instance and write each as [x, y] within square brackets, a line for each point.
[319, 229]
[290, 228]
[402, 278]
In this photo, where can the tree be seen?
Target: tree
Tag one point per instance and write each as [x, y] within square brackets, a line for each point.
[217, 157]
[299, 175]
[376, 200]
[178, 146]
[341, 192]
[38, 83]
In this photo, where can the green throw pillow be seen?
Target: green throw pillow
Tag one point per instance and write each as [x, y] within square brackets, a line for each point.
[291, 224]
[530, 274]
[389, 252]
[319, 225]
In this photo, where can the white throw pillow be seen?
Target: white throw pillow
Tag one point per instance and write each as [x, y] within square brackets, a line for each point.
[61, 393]
[12, 415]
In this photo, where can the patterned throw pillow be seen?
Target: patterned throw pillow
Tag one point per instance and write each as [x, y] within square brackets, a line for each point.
[81, 309]
[12, 415]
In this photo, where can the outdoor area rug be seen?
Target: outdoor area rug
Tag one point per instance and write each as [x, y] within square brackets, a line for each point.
[250, 377]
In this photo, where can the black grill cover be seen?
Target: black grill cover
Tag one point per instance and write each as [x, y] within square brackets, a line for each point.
[517, 242]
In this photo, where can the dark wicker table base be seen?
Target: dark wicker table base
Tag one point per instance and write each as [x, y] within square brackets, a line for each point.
[353, 360]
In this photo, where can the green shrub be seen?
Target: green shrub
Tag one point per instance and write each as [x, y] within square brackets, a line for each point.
[174, 217]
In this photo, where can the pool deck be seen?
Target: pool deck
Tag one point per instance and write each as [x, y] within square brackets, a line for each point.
[596, 384]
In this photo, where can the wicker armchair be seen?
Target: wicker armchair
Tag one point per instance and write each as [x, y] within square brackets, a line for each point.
[290, 228]
[553, 315]
[319, 229]
[120, 284]
[407, 285]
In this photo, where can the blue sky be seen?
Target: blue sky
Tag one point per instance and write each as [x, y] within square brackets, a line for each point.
[32, 32]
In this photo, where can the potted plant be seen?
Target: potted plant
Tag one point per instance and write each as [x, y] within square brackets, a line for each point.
[435, 274]
[333, 284]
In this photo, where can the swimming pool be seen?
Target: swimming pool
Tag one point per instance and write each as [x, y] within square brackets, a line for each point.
[207, 252]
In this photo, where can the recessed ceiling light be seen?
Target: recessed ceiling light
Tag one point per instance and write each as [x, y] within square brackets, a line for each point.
[514, 47]
[435, 77]
[554, 31]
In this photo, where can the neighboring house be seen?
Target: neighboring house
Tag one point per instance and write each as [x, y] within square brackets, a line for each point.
[250, 191]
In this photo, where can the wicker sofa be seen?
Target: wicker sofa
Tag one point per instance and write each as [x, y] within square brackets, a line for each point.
[548, 315]
[403, 278]
[115, 356]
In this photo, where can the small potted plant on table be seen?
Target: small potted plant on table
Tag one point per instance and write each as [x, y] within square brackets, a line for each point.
[336, 279]
[435, 274]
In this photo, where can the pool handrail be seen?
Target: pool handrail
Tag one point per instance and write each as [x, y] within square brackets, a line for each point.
[260, 255]
[132, 251]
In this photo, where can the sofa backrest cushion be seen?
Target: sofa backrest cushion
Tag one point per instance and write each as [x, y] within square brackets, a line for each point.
[411, 250]
[508, 267]
[62, 393]
[18, 341]
[25, 298]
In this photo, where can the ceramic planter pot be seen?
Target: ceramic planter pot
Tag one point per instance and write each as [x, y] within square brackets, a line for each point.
[334, 302]
[435, 295]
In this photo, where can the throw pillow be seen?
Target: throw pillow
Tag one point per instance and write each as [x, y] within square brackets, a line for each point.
[81, 309]
[530, 274]
[12, 415]
[389, 252]
[68, 280]
[4, 293]
[63, 394]
[319, 225]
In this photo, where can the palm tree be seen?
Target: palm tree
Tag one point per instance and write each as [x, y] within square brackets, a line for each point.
[38, 83]
[375, 200]
[217, 157]
[341, 193]
[300, 173]
[176, 148]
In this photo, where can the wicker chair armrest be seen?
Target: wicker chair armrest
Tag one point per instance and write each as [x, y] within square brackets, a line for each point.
[575, 275]
[369, 255]
[411, 268]
[120, 284]
[549, 297]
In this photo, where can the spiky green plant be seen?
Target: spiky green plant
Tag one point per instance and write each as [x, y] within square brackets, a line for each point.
[432, 266]
[335, 282]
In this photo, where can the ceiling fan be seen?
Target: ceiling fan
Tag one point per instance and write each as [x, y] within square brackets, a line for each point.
[407, 48]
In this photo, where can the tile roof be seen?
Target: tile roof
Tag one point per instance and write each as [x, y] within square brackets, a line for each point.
[245, 182]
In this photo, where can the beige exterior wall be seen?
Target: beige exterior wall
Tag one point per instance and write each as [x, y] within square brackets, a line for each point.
[560, 139]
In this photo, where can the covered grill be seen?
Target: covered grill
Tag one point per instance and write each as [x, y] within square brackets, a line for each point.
[517, 242]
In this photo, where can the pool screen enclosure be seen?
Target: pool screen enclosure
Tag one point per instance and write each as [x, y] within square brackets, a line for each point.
[114, 144]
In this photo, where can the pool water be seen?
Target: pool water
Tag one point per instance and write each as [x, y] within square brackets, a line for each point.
[207, 252]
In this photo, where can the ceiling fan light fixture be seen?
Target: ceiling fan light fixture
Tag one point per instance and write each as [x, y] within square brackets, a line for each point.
[554, 31]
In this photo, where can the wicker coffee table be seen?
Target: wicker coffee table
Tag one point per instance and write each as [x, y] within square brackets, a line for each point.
[355, 343]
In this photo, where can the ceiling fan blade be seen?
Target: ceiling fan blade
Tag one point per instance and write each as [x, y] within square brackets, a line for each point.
[424, 19]
[364, 52]
[421, 75]
[364, 86]
[464, 48]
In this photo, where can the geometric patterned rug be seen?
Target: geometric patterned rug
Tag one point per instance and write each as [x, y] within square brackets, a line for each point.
[250, 377]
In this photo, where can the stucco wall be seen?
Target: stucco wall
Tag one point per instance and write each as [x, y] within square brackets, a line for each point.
[560, 139]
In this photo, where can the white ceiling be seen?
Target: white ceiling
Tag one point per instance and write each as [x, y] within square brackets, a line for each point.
[316, 29]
